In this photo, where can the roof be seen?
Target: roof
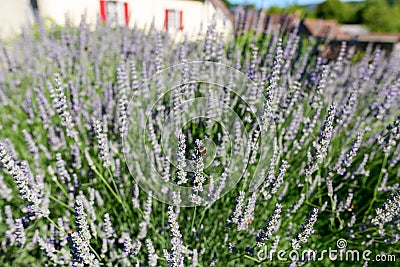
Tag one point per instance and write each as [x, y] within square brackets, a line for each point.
[251, 19]
[324, 28]
[288, 21]
[379, 38]
[354, 29]
[259, 19]
[219, 4]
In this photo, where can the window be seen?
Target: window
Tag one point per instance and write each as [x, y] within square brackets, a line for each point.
[173, 20]
[115, 12]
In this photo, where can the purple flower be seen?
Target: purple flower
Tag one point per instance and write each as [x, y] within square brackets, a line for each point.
[81, 223]
[181, 160]
[321, 146]
[20, 237]
[24, 182]
[61, 105]
[131, 249]
[389, 210]
[306, 230]
[271, 226]
[102, 143]
[176, 257]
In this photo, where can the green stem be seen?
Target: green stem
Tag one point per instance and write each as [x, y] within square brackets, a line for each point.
[202, 215]
[108, 185]
[113, 181]
[194, 216]
[94, 252]
[60, 186]
[319, 185]
[163, 215]
[61, 203]
[306, 187]
[55, 225]
[94, 168]
[378, 183]
[333, 211]
[251, 258]
[117, 190]
[312, 205]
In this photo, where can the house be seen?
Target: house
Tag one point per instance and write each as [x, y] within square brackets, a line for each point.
[247, 19]
[14, 15]
[386, 41]
[323, 28]
[178, 16]
[354, 29]
[363, 37]
[259, 20]
[330, 34]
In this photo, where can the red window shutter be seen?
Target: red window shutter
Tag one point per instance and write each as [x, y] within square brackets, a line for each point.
[103, 11]
[181, 20]
[166, 20]
[126, 11]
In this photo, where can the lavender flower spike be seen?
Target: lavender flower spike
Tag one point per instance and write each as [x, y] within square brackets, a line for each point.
[321, 147]
[181, 173]
[306, 230]
[24, 184]
[198, 168]
[109, 232]
[175, 259]
[81, 255]
[131, 250]
[20, 236]
[248, 216]
[60, 104]
[199, 178]
[151, 253]
[80, 221]
[79, 241]
[389, 210]
[272, 226]
[102, 144]
[238, 210]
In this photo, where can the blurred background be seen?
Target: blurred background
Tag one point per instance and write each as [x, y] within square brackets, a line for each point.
[376, 15]
[365, 22]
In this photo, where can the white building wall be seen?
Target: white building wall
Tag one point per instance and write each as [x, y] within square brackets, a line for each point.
[14, 15]
[58, 10]
[196, 14]
[143, 13]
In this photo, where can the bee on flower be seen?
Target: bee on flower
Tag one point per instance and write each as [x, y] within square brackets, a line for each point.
[203, 151]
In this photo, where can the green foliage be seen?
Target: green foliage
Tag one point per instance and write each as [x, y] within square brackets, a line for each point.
[343, 12]
[331, 9]
[302, 11]
[380, 16]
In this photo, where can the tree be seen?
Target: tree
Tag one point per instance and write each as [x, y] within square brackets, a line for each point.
[334, 9]
[380, 17]
[292, 9]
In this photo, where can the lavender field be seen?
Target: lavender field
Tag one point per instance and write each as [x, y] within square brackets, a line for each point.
[123, 147]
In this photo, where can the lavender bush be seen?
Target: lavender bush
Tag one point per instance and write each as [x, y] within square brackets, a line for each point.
[318, 140]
